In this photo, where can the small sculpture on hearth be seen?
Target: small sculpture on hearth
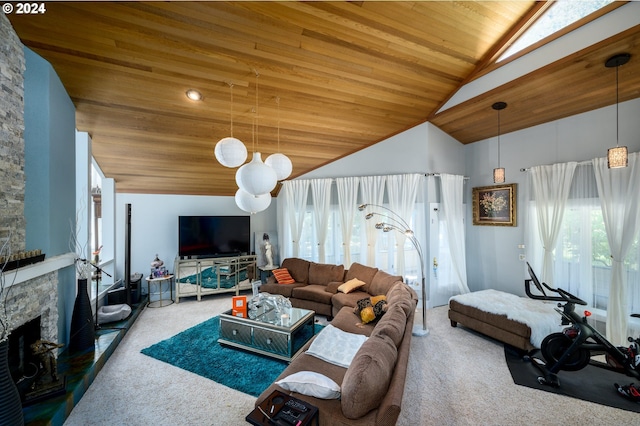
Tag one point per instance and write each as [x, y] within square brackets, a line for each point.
[48, 363]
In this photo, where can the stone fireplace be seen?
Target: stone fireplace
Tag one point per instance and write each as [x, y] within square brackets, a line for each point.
[29, 292]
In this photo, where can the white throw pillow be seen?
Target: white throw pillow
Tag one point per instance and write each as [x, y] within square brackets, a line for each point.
[311, 384]
[336, 346]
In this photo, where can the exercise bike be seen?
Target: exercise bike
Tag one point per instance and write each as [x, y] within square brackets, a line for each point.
[571, 349]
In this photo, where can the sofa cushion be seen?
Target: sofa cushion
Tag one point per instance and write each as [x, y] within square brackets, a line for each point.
[382, 282]
[298, 268]
[361, 272]
[401, 294]
[282, 276]
[320, 273]
[368, 377]
[332, 287]
[351, 285]
[340, 300]
[312, 292]
[281, 289]
[392, 324]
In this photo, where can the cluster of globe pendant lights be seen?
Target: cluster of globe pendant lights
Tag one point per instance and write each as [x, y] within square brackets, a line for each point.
[256, 179]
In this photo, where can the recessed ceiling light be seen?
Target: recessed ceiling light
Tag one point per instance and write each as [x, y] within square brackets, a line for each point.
[194, 95]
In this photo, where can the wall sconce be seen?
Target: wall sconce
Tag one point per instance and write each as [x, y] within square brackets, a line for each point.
[498, 173]
[618, 156]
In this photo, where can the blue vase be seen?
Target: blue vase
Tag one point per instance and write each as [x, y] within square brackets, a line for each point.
[10, 404]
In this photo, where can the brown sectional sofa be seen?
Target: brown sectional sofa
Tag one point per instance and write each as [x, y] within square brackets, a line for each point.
[316, 286]
[372, 386]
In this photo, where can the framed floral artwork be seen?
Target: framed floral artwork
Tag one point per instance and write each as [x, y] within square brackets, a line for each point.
[495, 205]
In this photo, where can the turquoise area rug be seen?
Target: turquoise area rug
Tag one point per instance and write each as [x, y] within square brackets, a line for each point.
[197, 350]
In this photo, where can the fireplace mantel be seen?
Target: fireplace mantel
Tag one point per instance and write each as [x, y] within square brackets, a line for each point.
[29, 272]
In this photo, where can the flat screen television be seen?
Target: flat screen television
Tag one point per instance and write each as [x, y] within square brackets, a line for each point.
[213, 236]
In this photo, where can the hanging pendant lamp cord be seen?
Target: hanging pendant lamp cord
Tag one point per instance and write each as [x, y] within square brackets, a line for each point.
[278, 102]
[257, 123]
[231, 108]
[498, 138]
[617, 106]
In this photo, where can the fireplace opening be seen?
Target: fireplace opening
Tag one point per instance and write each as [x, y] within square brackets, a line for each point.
[22, 362]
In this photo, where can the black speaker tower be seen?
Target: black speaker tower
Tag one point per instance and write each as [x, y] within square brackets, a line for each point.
[127, 252]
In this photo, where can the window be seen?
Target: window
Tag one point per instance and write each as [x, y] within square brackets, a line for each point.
[582, 259]
[560, 15]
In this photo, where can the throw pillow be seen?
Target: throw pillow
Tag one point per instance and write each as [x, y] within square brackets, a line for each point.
[282, 276]
[367, 379]
[370, 308]
[312, 384]
[351, 285]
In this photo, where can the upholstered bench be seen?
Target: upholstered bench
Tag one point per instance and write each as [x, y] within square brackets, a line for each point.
[518, 321]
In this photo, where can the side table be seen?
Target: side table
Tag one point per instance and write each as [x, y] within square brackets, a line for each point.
[282, 409]
[266, 272]
[159, 281]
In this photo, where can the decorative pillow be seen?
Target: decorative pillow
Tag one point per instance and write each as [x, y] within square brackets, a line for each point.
[336, 346]
[282, 276]
[371, 308]
[367, 380]
[312, 384]
[351, 285]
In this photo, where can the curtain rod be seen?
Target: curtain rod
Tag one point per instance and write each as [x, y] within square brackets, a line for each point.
[580, 163]
[438, 175]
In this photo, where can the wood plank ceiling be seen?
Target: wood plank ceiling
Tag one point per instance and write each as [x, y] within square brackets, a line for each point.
[314, 80]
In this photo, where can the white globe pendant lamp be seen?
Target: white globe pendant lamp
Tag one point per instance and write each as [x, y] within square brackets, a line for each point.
[281, 164]
[230, 152]
[255, 177]
[278, 161]
[250, 203]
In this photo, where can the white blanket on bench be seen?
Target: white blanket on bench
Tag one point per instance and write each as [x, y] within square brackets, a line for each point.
[538, 315]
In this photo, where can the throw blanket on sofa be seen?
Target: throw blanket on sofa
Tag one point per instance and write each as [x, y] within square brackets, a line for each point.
[336, 346]
[538, 315]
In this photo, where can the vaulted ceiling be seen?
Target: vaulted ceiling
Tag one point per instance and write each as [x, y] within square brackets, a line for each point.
[314, 80]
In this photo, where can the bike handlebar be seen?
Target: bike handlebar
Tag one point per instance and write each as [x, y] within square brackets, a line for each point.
[565, 296]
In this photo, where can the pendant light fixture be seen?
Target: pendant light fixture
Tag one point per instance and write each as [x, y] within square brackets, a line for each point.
[618, 156]
[255, 177]
[229, 151]
[498, 173]
[278, 161]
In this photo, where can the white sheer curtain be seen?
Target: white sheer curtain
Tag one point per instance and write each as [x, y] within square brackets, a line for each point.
[452, 187]
[372, 189]
[347, 198]
[619, 190]
[296, 193]
[402, 191]
[550, 190]
[321, 190]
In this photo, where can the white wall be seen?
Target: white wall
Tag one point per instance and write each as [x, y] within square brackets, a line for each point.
[154, 225]
[421, 149]
[492, 251]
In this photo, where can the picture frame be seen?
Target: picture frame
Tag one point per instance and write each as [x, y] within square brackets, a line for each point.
[495, 205]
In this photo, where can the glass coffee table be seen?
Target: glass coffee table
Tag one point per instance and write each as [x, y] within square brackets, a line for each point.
[276, 334]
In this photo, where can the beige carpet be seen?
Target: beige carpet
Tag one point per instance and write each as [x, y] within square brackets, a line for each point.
[456, 377]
